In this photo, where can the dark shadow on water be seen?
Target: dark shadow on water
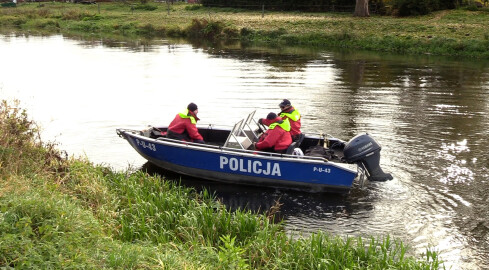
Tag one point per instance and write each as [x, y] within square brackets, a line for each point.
[261, 199]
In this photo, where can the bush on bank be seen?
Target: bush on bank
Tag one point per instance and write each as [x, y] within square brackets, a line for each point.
[59, 212]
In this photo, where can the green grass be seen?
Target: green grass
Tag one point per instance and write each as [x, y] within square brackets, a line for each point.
[61, 213]
[467, 30]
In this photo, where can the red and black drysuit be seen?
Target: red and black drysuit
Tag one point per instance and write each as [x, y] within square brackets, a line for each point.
[184, 127]
[294, 118]
[277, 138]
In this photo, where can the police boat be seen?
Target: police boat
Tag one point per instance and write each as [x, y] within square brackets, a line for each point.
[316, 162]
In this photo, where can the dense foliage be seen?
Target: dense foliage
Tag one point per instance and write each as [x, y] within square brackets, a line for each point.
[422, 7]
[285, 5]
[394, 7]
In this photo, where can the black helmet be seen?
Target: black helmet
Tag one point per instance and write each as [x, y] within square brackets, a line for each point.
[192, 107]
[284, 103]
[271, 116]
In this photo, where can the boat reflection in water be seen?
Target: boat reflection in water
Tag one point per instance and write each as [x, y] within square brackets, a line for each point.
[295, 206]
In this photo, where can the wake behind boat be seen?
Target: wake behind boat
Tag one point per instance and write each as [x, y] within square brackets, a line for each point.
[315, 163]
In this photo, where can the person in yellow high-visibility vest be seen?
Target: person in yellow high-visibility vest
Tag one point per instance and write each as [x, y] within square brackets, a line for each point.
[184, 125]
[277, 137]
[291, 113]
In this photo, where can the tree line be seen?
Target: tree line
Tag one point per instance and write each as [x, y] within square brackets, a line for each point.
[285, 5]
[382, 7]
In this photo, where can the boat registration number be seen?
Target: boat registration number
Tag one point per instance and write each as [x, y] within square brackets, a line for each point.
[321, 170]
[143, 144]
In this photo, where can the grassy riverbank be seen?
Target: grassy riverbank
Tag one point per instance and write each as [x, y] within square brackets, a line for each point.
[58, 212]
[455, 32]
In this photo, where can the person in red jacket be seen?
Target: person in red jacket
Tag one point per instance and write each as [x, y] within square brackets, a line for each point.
[277, 138]
[184, 126]
[288, 112]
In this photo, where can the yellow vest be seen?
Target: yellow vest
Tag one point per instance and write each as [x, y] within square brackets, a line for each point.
[285, 125]
[185, 114]
[294, 115]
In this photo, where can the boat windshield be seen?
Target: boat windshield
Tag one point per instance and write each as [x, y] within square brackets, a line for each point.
[243, 135]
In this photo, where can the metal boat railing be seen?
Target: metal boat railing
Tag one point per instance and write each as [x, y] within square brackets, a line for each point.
[221, 148]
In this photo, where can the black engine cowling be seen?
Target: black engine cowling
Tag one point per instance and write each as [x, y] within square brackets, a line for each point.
[365, 151]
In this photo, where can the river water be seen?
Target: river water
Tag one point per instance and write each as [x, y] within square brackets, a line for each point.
[429, 114]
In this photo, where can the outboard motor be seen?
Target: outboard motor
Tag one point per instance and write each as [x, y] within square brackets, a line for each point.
[365, 151]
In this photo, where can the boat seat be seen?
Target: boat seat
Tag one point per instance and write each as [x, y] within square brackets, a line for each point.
[300, 139]
[291, 148]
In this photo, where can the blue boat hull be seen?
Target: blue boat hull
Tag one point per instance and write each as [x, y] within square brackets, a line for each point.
[242, 167]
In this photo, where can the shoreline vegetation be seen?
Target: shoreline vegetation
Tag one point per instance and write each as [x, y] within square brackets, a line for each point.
[459, 32]
[61, 212]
